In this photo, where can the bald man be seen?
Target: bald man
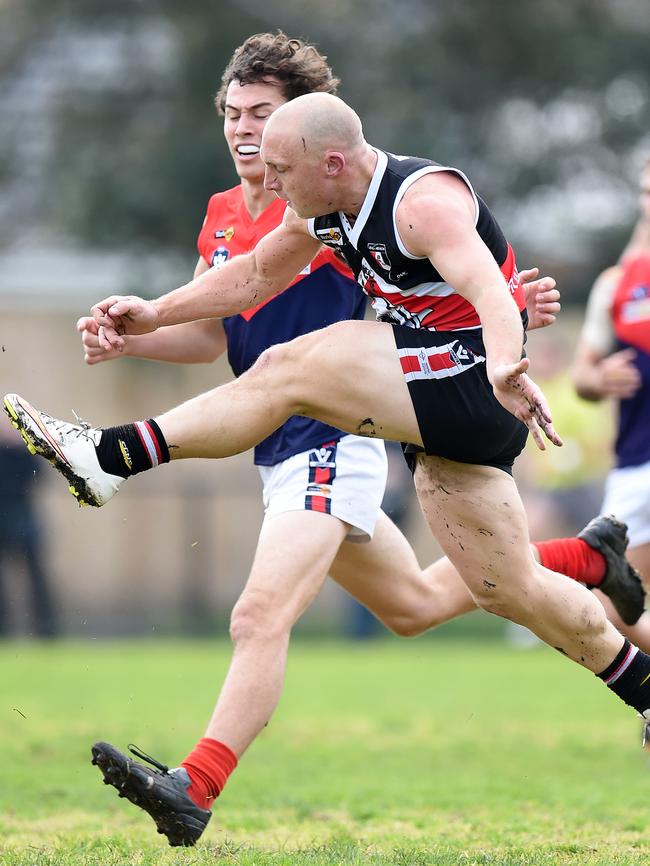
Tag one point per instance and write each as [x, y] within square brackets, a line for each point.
[441, 369]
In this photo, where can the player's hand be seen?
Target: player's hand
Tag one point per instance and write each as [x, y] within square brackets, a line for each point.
[525, 400]
[120, 315]
[93, 352]
[542, 298]
[619, 376]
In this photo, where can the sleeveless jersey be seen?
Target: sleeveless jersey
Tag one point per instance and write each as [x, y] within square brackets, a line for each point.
[324, 293]
[406, 289]
[630, 313]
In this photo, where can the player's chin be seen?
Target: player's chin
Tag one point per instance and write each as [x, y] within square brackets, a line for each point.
[304, 213]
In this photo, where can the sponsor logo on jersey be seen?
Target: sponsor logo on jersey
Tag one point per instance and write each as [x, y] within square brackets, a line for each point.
[219, 256]
[125, 453]
[319, 489]
[378, 252]
[225, 233]
[332, 237]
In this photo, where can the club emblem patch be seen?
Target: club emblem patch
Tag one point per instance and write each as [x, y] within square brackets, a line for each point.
[378, 252]
[219, 256]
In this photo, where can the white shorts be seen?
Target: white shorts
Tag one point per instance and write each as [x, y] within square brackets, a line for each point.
[346, 479]
[627, 496]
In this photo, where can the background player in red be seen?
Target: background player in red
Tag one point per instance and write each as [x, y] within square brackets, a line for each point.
[299, 543]
[613, 361]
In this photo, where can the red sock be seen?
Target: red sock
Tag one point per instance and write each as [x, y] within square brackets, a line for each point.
[573, 557]
[209, 764]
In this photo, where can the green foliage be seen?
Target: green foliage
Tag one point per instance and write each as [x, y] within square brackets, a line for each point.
[537, 102]
[397, 752]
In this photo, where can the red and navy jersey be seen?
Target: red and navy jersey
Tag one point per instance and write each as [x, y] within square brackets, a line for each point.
[324, 293]
[630, 313]
[406, 289]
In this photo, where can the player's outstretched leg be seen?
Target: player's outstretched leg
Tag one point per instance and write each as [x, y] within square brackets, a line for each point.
[622, 583]
[70, 448]
[161, 792]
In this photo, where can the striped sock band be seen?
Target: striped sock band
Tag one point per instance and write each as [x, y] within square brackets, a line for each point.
[151, 438]
[628, 676]
[132, 448]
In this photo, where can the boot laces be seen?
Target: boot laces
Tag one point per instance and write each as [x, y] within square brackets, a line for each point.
[80, 429]
[163, 768]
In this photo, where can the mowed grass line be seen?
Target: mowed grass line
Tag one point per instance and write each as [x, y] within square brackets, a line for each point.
[423, 752]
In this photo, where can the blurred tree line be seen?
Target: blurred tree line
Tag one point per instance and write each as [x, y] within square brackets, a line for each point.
[110, 138]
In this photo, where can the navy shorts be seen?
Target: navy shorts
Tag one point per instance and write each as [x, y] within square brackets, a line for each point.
[458, 415]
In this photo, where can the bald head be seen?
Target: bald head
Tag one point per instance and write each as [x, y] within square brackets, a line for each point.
[319, 121]
[315, 155]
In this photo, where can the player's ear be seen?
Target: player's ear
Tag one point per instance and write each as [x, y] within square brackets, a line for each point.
[335, 163]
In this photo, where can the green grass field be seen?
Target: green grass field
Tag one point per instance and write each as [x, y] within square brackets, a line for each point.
[424, 752]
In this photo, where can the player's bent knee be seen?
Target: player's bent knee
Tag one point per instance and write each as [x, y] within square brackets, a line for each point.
[275, 361]
[278, 368]
[514, 605]
[254, 617]
[406, 626]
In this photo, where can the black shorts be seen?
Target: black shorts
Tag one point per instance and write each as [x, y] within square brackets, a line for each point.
[458, 415]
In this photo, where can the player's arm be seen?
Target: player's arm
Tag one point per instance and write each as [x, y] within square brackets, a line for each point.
[199, 342]
[436, 219]
[239, 284]
[598, 372]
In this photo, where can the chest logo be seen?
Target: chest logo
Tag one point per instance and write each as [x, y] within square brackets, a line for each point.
[225, 233]
[378, 252]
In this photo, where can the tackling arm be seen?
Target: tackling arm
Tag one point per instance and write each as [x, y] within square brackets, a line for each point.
[237, 285]
[244, 281]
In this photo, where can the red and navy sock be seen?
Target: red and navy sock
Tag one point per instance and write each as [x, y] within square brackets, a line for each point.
[573, 557]
[132, 448]
[209, 765]
[628, 676]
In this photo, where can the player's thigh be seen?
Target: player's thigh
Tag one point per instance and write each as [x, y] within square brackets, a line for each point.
[383, 574]
[313, 500]
[292, 560]
[349, 374]
[386, 577]
[476, 514]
